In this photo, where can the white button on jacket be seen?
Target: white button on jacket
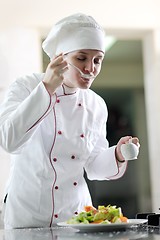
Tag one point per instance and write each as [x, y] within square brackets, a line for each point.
[52, 139]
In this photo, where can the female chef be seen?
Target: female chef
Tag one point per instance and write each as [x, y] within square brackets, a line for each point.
[54, 127]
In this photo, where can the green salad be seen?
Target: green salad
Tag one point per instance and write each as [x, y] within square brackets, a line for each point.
[101, 215]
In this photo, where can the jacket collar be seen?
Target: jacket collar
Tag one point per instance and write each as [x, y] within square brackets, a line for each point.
[65, 90]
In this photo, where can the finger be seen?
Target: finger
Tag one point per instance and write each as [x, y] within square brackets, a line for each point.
[63, 69]
[135, 140]
[125, 139]
[55, 57]
[60, 65]
[56, 61]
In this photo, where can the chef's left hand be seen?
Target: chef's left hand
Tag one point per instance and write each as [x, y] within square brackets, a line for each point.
[124, 140]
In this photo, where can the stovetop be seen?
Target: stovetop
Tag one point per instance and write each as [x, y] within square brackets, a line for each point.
[153, 219]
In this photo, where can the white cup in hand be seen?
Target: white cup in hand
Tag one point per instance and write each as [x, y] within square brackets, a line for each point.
[130, 150]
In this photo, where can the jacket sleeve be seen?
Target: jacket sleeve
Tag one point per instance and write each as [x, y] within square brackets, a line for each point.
[24, 106]
[102, 163]
[104, 166]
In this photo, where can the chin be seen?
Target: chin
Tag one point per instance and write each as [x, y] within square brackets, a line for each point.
[85, 86]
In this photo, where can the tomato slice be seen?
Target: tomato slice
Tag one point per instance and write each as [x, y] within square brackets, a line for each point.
[90, 208]
[124, 219]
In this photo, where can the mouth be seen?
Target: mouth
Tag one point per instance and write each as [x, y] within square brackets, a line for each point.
[83, 75]
[86, 80]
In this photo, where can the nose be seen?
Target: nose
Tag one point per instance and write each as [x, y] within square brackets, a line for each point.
[89, 67]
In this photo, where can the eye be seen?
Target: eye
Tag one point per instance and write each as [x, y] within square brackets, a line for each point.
[81, 58]
[97, 60]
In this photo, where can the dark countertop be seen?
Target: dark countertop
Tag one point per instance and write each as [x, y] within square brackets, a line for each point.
[62, 233]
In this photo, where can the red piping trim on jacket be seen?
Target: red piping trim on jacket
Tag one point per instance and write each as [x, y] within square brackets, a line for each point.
[111, 178]
[41, 118]
[67, 93]
[50, 159]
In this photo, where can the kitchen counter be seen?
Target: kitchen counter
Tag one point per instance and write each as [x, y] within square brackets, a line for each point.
[62, 233]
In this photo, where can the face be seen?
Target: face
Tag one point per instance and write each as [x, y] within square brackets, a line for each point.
[88, 62]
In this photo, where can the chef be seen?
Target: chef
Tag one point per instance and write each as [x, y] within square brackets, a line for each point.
[54, 128]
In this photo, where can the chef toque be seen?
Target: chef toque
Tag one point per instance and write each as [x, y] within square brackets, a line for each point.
[75, 32]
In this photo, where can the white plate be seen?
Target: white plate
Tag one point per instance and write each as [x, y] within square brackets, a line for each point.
[103, 227]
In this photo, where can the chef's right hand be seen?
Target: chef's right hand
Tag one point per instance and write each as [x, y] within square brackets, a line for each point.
[54, 73]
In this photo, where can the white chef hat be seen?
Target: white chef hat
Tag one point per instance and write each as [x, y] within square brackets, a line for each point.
[72, 33]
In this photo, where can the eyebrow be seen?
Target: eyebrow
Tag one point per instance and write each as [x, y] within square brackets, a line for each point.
[99, 56]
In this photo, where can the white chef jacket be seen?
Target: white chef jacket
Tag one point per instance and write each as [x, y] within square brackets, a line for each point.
[52, 139]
